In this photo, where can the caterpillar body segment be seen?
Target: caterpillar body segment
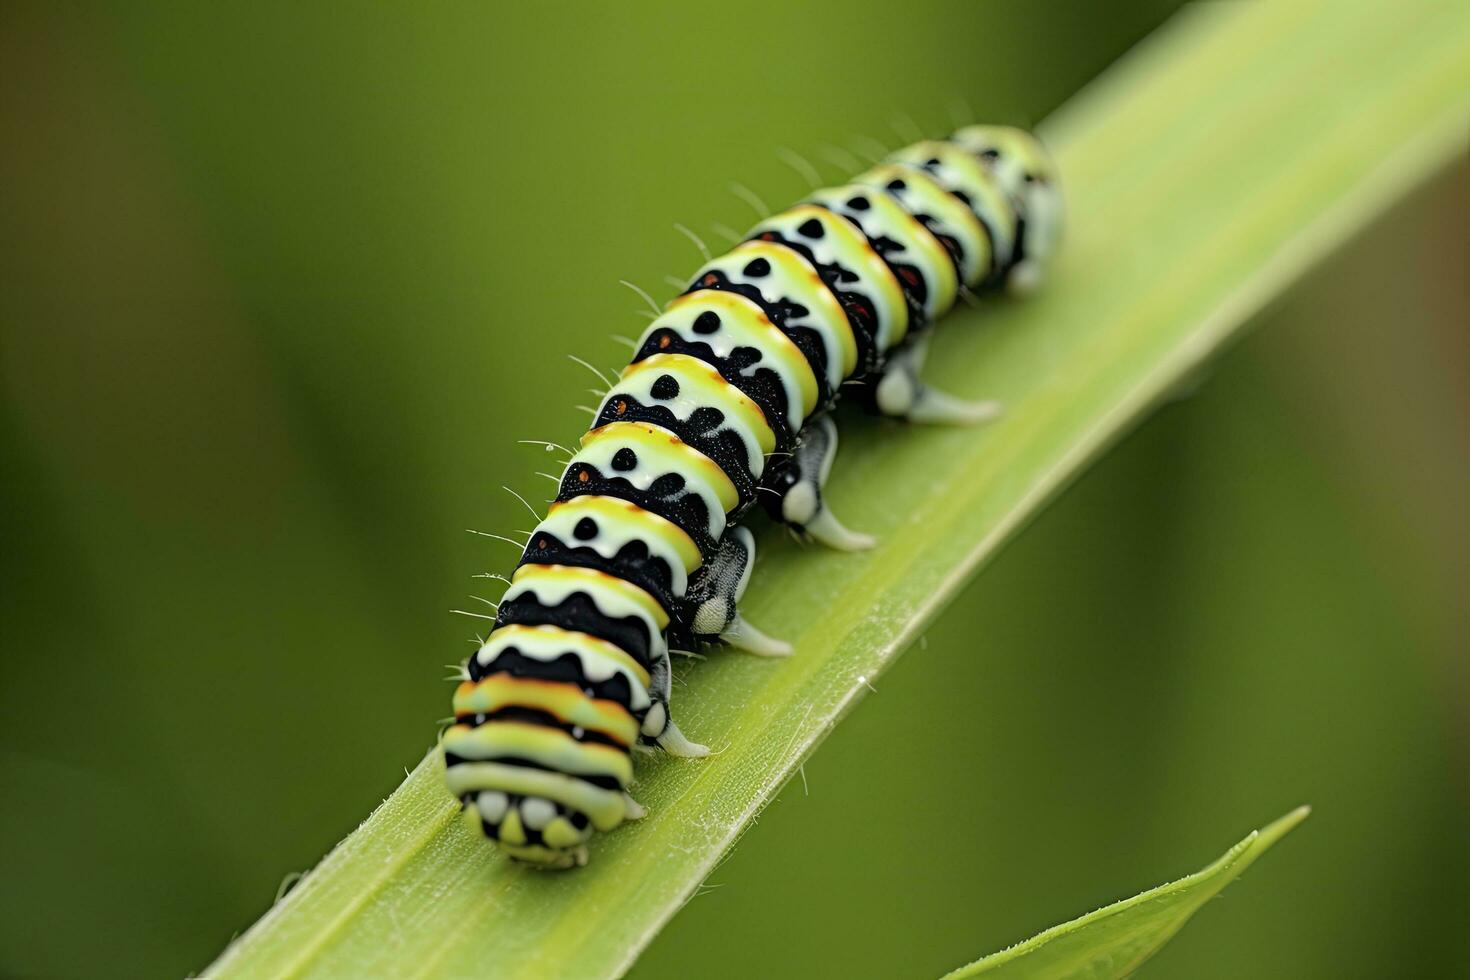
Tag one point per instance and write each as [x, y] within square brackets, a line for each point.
[724, 404]
[689, 398]
[646, 465]
[916, 255]
[942, 213]
[734, 335]
[1026, 173]
[559, 595]
[793, 295]
[617, 535]
[851, 269]
[968, 179]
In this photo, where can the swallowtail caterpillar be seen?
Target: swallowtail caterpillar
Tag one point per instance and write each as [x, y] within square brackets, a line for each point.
[726, 401]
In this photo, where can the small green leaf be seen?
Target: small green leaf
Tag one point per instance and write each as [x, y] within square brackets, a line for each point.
[1116, 940]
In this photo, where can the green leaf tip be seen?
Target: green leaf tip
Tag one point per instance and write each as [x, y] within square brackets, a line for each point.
[1277, 829]
[1116, 939]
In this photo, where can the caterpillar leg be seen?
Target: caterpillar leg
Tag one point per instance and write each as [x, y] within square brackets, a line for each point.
[798, 488]
[658, 726]
[899, 393]
[1024, 278]
[714, 593]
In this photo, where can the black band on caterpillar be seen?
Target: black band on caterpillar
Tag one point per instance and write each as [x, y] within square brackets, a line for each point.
[788, 316]
[724, 403]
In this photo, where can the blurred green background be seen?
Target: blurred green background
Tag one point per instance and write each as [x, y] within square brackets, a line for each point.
[281, 287]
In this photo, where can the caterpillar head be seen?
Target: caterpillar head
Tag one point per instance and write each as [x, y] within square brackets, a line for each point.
[1026, 173]
[1016, 157]
[531, 829]
[539, 754]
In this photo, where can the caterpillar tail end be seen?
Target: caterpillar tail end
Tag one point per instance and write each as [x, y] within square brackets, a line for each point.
[532, 830]
[743, 636]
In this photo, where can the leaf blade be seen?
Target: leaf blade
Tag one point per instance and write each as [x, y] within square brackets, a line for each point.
[1117, 939]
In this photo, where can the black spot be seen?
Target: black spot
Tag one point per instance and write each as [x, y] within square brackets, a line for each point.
[896, 185]
[990, 154]
[624, 460]
[666, 387]
[707, 322]
[812, 228]
[858, 203]
[757, 268]
[586, 529]
[932, 162]
[1030, 178]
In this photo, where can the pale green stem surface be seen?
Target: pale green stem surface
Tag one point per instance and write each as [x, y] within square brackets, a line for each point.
[1204, 173]
[1116, 940]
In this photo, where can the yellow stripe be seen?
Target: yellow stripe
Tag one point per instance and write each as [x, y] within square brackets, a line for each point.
[931, 249]
[852, 246]
[604, 807]
[593, 580]
[751, 321]
[551, 747]
[573, 641]
[645, 523]
[926, 195]
[819, 299]
[658, 440]
[985, 194]
[692, 372]
[1010, 141]
[566, 702]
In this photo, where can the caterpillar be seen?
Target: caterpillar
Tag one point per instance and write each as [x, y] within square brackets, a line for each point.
[724, 404]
